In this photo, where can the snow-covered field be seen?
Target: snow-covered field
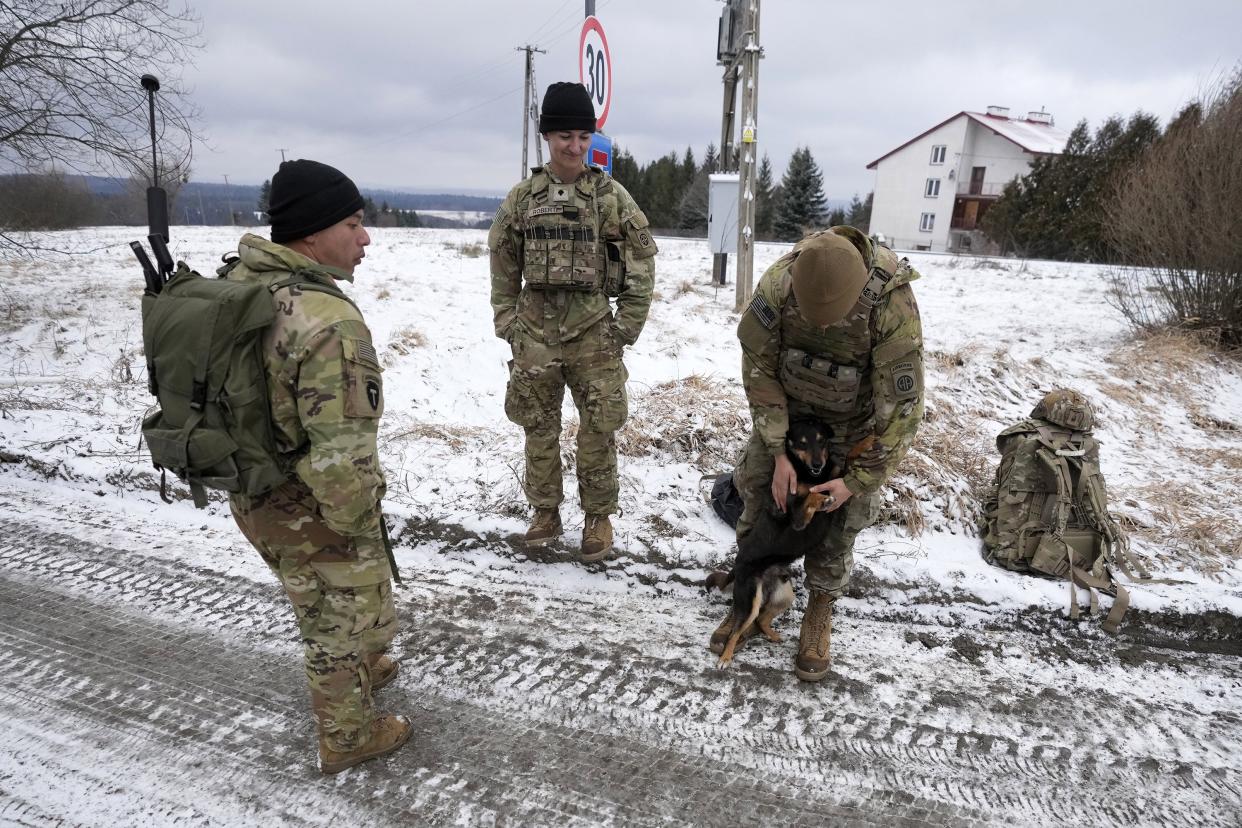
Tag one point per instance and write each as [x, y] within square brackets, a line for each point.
[998, 334]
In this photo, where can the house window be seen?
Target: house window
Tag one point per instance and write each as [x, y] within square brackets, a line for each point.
[938, 153]
[933, 188]
[927, 221]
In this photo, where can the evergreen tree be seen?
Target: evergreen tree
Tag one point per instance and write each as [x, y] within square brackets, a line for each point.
[689, 169]
[265, 200]
[860, 212]
[662, 190]
[625, 171]
[765, 206]
[711, 159]
[836, 217]
[802, 202]
[1056, 210]
[370, 213]
[692, 211]
[854, 214]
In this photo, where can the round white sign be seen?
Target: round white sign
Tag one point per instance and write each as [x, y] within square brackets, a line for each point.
[595, 68]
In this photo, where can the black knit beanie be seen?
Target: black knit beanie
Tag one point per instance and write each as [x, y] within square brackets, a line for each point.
[308, 196]
[566, 106]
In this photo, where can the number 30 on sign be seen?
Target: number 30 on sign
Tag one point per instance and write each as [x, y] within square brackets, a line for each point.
[595, 68]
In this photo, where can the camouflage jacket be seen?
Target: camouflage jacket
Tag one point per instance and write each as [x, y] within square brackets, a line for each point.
[879, 348]
[324, 383]
[554, 316]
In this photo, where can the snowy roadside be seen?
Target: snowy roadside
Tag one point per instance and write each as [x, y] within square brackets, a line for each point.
[998, 334]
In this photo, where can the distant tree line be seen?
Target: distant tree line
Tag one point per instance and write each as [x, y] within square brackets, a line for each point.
[673, 192]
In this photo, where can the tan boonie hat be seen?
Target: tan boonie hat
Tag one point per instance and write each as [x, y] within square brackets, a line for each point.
[828, 277]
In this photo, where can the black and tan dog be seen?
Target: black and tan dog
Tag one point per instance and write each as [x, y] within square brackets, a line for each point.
[762, 587]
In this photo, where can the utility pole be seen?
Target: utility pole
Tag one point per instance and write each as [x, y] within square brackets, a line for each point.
[228, 198]
[747, 166]
[281, 150]
[527, 112]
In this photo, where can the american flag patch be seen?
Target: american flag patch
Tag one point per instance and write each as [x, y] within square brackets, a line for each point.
[760, 308]
[366, 353]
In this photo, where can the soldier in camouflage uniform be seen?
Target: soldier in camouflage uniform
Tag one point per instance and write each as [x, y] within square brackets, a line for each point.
[320, 532]
[833, 333]
[565, 241]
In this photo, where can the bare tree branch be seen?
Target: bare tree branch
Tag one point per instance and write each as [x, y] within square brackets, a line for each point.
[70, 97]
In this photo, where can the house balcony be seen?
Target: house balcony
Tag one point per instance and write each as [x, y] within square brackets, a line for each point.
[979, 188]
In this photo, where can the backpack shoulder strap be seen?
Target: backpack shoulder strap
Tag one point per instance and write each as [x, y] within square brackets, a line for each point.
[303, 279]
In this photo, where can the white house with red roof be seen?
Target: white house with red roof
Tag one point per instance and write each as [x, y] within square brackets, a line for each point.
[931, 191]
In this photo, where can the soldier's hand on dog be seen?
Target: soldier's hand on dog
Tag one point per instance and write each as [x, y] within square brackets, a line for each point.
[837, 491]
[784, 481]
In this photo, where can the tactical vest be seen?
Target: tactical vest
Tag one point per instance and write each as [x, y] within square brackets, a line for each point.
[828, 369]
[203, 340]
[1049, 513]
[561, 244]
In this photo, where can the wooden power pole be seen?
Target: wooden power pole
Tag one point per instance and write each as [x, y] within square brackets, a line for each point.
[747, 158]
[527, 113]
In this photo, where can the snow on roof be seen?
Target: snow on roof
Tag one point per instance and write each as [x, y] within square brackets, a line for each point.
[1032, 136]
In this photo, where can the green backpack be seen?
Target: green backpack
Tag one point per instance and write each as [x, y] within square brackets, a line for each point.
[1049, 513]
[204, 350]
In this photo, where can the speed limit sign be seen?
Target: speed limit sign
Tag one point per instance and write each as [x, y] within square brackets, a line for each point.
[595, 68]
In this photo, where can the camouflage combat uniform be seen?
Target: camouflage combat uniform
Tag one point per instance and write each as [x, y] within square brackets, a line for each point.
[320, 531]
[558, 252]
[862, 375]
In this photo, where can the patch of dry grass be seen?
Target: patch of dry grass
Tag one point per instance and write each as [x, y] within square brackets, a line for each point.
[1177, 355]
[696, 419]
[458, 438]
[404, 340]
[685, 288]
[946, 476]
[1188, 521]
[472, 250]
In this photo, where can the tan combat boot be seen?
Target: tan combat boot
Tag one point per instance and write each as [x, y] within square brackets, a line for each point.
[388, 733]
[814, 640]
[383, 670]
[596, 538]
[545, 527]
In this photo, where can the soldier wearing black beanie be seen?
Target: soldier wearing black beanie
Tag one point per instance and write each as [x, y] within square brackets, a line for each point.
[308, 196]
[566, 106]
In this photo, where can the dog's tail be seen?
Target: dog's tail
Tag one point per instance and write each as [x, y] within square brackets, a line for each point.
[740, 629]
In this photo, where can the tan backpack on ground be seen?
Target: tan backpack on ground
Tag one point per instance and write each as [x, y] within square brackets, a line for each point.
[1049, 512]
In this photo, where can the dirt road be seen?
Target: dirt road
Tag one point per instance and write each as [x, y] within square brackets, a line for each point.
[139, 689]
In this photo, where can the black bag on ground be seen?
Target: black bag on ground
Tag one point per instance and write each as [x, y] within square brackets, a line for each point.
[726, 500]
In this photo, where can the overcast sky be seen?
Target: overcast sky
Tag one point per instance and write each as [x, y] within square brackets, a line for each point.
[428, 95]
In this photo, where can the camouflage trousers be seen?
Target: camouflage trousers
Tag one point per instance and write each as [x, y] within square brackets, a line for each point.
[341, 593]
[538, 374]
[828, 567]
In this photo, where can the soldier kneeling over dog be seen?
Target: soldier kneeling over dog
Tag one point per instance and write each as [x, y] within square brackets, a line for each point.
[832, 333]
[321, 531]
